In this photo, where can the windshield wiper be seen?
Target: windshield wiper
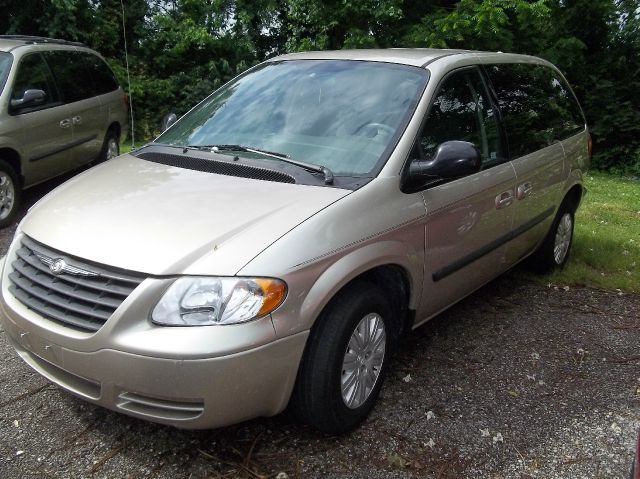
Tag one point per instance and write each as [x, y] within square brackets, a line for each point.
[328, 175]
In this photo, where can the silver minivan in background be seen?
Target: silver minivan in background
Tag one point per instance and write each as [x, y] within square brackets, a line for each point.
[60, 108]
[272, 246]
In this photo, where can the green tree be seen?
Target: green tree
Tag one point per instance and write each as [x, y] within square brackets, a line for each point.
[181, 50]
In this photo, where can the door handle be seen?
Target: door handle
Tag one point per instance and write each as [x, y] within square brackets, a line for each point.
[524, 190]
[504, 199]
[66, 123]
[76, 120]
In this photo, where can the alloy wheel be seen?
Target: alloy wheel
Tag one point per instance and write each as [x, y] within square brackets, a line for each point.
[563, 238]
[363, 360]
[7, 195]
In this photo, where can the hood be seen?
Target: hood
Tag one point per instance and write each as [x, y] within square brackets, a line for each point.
[163, 220]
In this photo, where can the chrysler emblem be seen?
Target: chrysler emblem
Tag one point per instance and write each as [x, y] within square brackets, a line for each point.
[57, 266]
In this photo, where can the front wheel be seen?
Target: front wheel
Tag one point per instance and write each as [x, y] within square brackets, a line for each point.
[344, 365]
[10, 194]
[553, 253]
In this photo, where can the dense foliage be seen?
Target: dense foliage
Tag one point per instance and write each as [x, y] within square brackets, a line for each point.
[181, 50]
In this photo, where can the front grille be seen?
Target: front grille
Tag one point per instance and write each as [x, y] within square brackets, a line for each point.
[83, 295]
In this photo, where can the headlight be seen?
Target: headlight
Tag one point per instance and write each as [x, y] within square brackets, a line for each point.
[202, 301]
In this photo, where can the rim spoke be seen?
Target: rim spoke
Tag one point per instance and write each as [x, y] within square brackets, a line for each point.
[377, 357]
[350, 361]
[366, 330]
[354, 344]
[350, 380]
[353, 396]
[362, 389]
[378, 342]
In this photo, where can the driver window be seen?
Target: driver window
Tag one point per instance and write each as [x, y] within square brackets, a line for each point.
[462, 111]
[33, 74]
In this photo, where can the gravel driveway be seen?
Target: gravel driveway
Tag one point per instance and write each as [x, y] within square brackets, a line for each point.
[517, 381]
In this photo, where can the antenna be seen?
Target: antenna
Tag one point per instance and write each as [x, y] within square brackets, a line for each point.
[126, 58]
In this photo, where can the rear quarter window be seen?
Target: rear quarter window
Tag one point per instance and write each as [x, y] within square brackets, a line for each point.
[537, 106]
[104, 79]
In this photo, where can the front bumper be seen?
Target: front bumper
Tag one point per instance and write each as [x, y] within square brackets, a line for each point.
[188, 377]
[192, 394]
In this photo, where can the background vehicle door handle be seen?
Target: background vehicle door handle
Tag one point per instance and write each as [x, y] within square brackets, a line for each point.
[76, 120]
[504, 199]
[66, 123]
[524, 190]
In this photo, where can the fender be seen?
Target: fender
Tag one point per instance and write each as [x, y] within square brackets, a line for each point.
[331, 275]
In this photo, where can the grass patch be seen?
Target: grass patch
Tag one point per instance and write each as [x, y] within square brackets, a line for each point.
[125, 146]
[606, 243]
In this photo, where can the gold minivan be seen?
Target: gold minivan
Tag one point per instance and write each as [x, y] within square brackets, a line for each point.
[272, 246]
[60, 108]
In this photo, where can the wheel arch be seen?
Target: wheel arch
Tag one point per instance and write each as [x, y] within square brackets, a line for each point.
[387, 268]
[12, 157]
[115, 126]
[573, 197]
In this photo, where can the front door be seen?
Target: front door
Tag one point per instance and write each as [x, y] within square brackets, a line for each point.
[468, 219]
[47, 127]
[74, 73]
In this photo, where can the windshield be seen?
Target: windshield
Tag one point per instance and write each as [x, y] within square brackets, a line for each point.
[5, 65]
[343, 115]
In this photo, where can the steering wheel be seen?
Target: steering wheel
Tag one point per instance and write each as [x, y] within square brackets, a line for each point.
[376, 128]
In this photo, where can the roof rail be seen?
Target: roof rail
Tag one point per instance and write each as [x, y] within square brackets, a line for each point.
[36, 40]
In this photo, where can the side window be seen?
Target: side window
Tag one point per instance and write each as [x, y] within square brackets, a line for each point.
[462, 111]
[5, 66]
[33, 74]
[537, 106]
[73, 74]
[103, 78]
[569, 119]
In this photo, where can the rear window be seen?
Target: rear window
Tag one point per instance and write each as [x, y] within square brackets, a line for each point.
[80, 75]
[537, 105]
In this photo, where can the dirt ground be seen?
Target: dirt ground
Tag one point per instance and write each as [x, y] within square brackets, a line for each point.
[520, 380]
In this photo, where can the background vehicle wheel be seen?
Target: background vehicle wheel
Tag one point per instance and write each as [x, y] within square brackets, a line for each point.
[110, 147]
[553, 253]
[346, 358]
[10, 194]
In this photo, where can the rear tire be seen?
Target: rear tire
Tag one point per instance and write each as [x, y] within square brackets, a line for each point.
[554, 251]
[345, 361]
[110, 146]
[10, 194]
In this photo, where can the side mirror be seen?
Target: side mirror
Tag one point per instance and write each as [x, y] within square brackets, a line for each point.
[168, 120]
[30, 98]
[454, 159]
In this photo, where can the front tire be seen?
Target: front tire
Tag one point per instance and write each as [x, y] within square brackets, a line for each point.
[10, 194]
[346, 359]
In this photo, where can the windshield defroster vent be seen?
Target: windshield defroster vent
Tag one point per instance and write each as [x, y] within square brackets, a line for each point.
[218, 167]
